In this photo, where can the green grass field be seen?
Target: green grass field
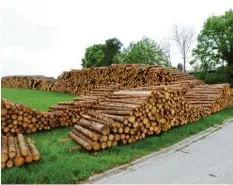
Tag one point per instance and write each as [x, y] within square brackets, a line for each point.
[59, 165]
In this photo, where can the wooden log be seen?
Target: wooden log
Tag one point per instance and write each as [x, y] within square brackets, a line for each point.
[19, 159]
[74, 148]
[80, 141]
[29, 157]
[34, 151]
[103, 129]
[3, 165]
[86, 132]
[95, 145]
[9, 163]
[23, 145]
[4, 149]
[11, 147]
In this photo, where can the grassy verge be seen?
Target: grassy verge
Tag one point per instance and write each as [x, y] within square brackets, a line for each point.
[58, 165]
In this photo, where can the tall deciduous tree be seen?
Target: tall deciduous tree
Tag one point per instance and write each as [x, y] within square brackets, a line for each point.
[111, 48]
[101, 54]
[215, 42]
[94, 56]
[183, 36]
[145, 51]
[166, 48]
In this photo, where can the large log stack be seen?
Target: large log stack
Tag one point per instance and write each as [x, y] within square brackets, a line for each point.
[212, 97]
[30, 82]
[83, 81]
[16, 151]
[127, 75]
[130, 115]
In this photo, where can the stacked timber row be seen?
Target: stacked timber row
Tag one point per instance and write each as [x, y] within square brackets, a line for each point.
[19, 118]
[128, 76]
[70, 111]
[83, 81]
[16, 151]
[130, 115]
[212, 97]
[30, 82]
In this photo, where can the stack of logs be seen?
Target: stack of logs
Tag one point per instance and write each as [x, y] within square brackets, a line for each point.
[83, 81]
[15, 151]
[30, 82]
[130, 115]
[127, 75]
[212, 97]
[19, 118]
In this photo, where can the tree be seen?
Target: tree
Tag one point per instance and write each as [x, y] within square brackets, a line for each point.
[215, 42]
[166, 48]
[180, 66]
[94, 56]
[145, 51]
[101, 54]
[111, 48]
[183, 37]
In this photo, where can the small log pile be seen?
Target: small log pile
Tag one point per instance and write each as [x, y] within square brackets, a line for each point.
[19, 118]
[30, 82]
[130, 115]
[212, 97]
[16, 151]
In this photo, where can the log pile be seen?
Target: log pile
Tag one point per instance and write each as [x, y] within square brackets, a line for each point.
[212, 97]
[31, 82]
[16, 151]
[19, 118]
[127, 75]
[130, 115]
[82, 81]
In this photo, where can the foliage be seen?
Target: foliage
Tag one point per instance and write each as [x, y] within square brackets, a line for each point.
[221, 75]
[94, 56]
[59, 166]
[215, 42]
[145, 51]
[180, 66]
[101, 54]
[111, 48]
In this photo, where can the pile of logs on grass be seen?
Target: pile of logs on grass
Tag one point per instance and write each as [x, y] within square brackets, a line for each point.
[84, 80]
[30, 82]
[16, 151]
[130, 115]
[19, 118]
[126, 75]
[212, 97]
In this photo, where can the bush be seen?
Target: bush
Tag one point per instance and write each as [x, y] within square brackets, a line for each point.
[219, 76]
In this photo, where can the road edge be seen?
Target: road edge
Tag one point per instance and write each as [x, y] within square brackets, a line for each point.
[120, 170]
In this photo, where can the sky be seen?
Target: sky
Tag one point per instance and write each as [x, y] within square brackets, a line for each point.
[47, 37]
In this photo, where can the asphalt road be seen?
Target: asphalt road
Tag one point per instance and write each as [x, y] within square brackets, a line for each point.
[203, 158]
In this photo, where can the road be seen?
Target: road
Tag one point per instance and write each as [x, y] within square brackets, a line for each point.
[203, 158]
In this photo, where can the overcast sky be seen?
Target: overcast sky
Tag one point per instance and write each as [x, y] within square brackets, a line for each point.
[46, 37]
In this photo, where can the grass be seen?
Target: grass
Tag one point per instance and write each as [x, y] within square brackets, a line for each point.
[40, 100]
[59, 166]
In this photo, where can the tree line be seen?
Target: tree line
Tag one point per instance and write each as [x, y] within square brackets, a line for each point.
[214, 48]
